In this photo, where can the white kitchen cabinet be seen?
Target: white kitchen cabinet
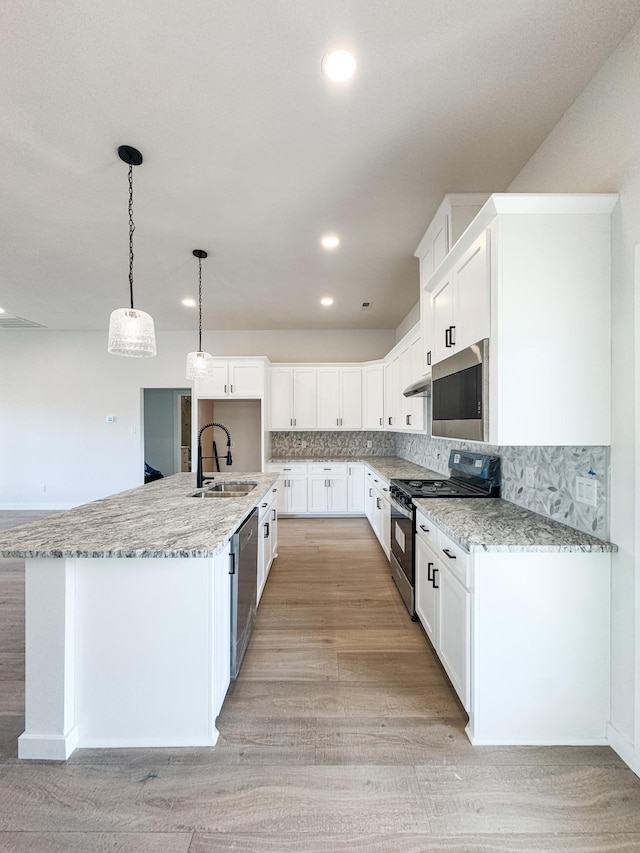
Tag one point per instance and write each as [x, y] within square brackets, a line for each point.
[451, 219]
[523, 637]
[327, 488]
[454, 631]
[378, 507]
[221, 604]
[268, 537]
[402, 368]
[461, 302]
[392, 378]
[426, 586]
[548, 259]
[242, 377]
[355, 487]
[373, 397]
[291, 486]
[339, 398]
[293, 397]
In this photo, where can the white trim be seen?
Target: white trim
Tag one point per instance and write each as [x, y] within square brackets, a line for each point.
[47, 747]
[623, 746]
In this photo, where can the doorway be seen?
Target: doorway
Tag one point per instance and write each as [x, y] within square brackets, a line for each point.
[167, 429]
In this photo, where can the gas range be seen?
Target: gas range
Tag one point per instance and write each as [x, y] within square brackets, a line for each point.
[473, 475]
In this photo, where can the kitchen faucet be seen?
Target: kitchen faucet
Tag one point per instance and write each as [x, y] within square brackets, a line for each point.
[200, 478]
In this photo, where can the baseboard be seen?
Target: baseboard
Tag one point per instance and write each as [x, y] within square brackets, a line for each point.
[30, 507]
[47, 747]
[624, 747]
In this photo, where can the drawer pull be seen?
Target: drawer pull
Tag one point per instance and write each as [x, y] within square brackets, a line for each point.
[449, 554]
[429, 572]
[422, 527]
[433, 579]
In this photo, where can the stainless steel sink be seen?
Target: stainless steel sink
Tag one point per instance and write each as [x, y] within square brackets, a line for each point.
[228, 489]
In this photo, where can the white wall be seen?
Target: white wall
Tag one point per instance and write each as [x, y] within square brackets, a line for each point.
[57, 388]
[596, 148]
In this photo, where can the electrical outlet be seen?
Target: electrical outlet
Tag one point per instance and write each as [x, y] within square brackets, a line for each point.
[530, 477]
[586, 491]
[369, 444]
[303, 443]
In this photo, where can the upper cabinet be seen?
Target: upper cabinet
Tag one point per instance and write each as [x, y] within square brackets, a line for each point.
[339, 397]
[533, 274]
[239, 377]
[460, 302]
[373, 396]
[403, 367]
[293, 397]
[449, 223]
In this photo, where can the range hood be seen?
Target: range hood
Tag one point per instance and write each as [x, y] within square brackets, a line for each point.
[421, 388]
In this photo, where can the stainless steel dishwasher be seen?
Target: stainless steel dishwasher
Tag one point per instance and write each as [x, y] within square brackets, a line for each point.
[244, 582]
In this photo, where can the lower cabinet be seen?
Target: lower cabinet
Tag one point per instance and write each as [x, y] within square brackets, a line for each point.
[378, 507]
[524, 637]
[318, 488]
[221, 657]
[268, 537]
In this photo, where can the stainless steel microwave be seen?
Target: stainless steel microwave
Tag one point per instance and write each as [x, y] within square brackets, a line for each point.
[460, 394]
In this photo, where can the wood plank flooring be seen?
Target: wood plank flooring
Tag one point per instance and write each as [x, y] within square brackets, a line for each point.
[341, 733]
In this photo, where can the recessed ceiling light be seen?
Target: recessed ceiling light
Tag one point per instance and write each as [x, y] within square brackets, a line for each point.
[330, 241]
[326, 300]
[189, 302]
[338, 65]
[2, 311]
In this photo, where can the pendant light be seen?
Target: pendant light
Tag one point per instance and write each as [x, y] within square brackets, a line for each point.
[199, 364]
[131, 331]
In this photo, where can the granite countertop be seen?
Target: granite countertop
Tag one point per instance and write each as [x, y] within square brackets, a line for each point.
[155, 520]
[492, 524]
[389, 467]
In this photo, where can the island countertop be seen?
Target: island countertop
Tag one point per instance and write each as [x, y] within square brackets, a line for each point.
[492, 524]
[158, 519]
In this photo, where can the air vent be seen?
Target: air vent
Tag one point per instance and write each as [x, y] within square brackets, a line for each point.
[366, 306]
[18, 323]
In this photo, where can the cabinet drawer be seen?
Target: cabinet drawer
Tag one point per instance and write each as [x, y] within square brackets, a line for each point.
[328, 468]
[426, 530]
[267, 504]
[288, 468]
[455, 558]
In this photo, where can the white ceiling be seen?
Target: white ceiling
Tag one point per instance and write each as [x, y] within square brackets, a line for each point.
[252, 155]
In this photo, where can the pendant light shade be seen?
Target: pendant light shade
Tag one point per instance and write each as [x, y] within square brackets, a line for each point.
[199, 364]
[131, 332]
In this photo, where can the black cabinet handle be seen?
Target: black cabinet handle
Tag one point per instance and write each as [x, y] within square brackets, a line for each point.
[266, 530]
[263, 505]
[273, 515]
[380, 421]
[429, 359]
[429, 575]
[370, 493]
[422, 527]
[232, 568]
[449, 554]
[447, 342]
[378, 503]
[433, 579]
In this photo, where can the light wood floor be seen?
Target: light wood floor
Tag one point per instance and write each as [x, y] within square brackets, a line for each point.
[341, 734]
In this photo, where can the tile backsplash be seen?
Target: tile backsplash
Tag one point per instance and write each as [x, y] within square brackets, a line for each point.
[555, 468]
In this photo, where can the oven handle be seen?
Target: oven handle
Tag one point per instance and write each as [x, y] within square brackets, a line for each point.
[407, 513]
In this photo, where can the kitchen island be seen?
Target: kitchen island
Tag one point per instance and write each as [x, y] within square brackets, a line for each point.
[127, 617]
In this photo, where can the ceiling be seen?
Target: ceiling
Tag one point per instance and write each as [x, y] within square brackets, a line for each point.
[251, 154]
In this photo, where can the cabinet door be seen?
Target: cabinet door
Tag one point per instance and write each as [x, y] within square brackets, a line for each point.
[281, 499]
[472, 287]
[442, 305]
[426, 326]
[391, 392]
[297, 497]
[337, 494]
[355, 487]
[416, 404]
[217, 385]
[426, 589]
[281, 397]
[440, 243]
[263, 556]
[317, 493]
[328, 415]
[373, 397]
[454, 629]
[246, 379]
[351, 398]
[304, 398]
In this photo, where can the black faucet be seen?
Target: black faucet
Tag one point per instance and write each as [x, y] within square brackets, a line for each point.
[200, 479]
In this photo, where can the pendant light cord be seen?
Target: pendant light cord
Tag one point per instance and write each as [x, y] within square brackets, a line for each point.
[132, 228]
[199, 304]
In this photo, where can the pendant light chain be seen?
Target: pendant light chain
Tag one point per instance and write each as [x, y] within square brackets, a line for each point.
[132, 228]
[199, 304]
